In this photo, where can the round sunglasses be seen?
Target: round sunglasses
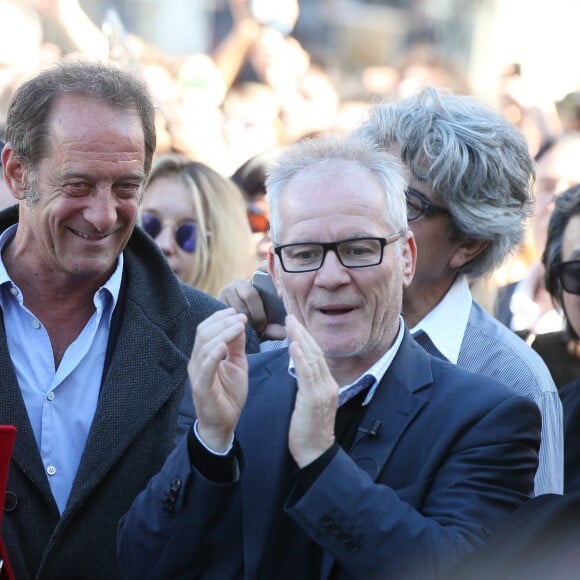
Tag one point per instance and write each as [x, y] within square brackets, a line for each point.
[185, 233]
[569, 275]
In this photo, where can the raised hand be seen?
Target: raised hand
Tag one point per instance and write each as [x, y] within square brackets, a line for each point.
[218, 372]
[312, 424]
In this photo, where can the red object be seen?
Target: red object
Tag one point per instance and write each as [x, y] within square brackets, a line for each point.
[7, 437]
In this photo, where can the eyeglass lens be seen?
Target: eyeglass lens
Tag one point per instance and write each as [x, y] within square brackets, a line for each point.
[569, 274]
[185, 233]
[418, 205]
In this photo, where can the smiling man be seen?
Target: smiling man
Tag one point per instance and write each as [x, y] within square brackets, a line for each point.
[352, 453]
[96, 330]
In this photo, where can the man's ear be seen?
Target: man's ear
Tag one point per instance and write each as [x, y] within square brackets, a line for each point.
[466, 252]
[14, 172]
[409, 255]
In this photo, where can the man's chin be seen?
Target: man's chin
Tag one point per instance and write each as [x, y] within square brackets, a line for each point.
[95, 269]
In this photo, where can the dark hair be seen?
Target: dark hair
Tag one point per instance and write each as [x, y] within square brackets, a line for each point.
[30, 106]
[566, 207]
[250, 177]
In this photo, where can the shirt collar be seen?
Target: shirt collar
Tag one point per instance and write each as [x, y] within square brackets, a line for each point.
[445, 325]
[111, 287]
[377, 370]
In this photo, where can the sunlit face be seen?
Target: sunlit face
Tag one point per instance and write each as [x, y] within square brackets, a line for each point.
[349, 312]
[171, 200]
[571, 251]
[557, 170]
[88, 189]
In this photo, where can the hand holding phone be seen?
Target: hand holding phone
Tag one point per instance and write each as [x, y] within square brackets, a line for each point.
[273, 305]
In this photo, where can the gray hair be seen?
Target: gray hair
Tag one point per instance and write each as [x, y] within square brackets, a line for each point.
[327, 151]
[30, 106]
[473, 160]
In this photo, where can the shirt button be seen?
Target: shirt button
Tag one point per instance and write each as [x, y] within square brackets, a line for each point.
[51, 396]
[51, 470]
[36, 324]
[14, 291]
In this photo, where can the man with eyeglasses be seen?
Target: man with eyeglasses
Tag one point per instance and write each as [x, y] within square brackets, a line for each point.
[352, 453]
[469, 196]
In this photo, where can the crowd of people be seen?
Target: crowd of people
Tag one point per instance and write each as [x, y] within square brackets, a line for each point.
[417, 405]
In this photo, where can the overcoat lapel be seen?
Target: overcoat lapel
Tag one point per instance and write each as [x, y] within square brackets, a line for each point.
[118, 419]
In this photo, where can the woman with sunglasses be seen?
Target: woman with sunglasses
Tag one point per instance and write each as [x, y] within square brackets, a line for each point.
[198, 219]
[561, 351]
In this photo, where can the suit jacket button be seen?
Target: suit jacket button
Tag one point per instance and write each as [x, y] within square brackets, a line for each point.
[334, 529]
[353, 546]
[10, 501]
[326, 521]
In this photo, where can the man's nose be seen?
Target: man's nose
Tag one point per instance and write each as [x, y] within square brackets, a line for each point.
[101, 212]
[332, 272]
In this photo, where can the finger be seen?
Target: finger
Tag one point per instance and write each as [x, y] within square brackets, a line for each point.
[274, 332]
[311, 367]
[212, 338]
[241, 295]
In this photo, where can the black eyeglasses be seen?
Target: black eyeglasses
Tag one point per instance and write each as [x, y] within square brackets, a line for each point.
[418, 205]
[185, 233]
[351, 253]
[569, 275]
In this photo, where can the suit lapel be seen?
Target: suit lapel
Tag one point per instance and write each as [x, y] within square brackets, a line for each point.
[396, 403]
[271, 402]
[130, 397]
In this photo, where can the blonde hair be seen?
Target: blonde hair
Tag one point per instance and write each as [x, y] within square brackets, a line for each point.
[223, 249]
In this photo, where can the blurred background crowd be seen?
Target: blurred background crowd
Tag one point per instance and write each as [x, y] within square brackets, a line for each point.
[236, 80]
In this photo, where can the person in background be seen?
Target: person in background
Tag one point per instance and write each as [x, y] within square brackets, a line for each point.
[352, 453]
[251, 179]
[561, 260]
[524, 305]
[96, 330]
[198, 219]
[470, 177]
[560, 349]
[541, 538]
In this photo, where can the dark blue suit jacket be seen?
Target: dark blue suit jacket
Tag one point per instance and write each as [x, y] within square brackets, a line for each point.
[457, 453]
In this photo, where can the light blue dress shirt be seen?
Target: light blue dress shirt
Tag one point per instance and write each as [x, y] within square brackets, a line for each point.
[469, 336]
[60, 402]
